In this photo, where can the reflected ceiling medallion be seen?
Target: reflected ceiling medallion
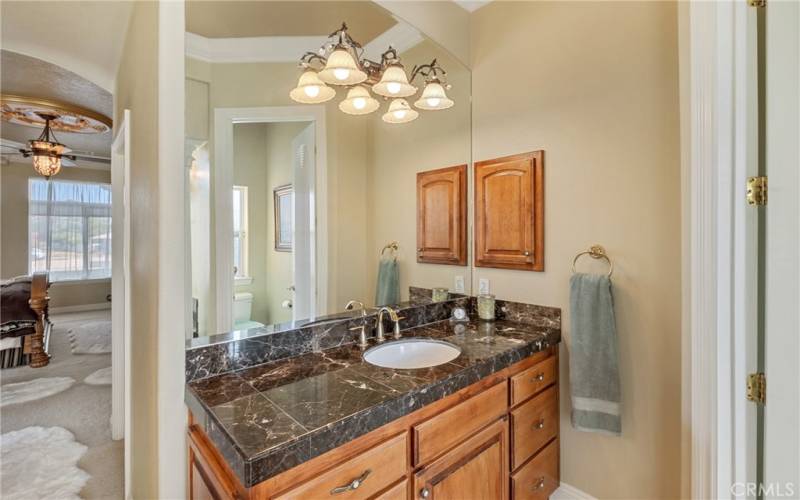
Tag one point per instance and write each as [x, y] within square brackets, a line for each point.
[47, 153]
[341, 62]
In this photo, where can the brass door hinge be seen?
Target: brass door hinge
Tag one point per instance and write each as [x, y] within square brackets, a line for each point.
[757, 388]
[758, 3]
[757, 190]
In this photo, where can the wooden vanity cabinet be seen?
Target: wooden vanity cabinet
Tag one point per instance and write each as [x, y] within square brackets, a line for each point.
[442, 216]
[509, 212]
[485, 441]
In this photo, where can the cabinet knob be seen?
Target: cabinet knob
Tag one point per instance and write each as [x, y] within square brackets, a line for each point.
[538, 485]
[419, 249]
[526, 253]
[424, 493]
[539, 424]
[538, 378]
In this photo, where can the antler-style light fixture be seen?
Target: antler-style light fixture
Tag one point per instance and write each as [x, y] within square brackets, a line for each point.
[46, 150]
[341, 62]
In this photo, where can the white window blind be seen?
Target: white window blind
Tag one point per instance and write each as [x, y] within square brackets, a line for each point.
[69, 229]
[240, 263]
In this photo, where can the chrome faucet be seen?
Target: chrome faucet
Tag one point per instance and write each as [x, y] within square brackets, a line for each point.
[380, 334]
[362, 330]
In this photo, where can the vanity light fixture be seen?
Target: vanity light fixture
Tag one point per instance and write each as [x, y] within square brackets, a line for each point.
[341, 62]
[359, 102]
[400, 112]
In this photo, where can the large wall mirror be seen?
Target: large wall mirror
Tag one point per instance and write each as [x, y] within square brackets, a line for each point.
[297, 208]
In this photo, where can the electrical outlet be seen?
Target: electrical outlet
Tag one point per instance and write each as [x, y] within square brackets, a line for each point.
[483, 285]
[459, 286]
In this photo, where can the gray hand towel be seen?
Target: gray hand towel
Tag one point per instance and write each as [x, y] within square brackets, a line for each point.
[593, 360]
[388, 288]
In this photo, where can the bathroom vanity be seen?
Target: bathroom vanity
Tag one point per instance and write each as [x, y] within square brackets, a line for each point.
[326, 423]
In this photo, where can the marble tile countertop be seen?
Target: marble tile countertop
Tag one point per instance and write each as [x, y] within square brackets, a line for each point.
[271, 417]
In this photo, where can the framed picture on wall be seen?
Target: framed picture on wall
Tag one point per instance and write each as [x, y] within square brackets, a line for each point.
[284, 198]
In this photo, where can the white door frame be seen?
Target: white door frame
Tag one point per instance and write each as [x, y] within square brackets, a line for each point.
[716, 47]
[121, 292]
[224, 121]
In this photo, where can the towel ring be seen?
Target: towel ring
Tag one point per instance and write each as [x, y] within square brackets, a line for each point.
[393, 246]
[595, 252]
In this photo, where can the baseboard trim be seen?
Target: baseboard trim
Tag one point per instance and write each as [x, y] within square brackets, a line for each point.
[567, 492]
[80, 308]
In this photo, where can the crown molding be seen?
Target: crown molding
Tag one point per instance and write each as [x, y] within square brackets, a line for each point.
[288, 49]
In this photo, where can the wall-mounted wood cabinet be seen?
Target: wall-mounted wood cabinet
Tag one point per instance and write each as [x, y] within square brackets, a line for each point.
[509, 212]
[442, 216]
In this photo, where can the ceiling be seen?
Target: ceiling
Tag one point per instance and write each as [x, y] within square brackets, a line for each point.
[236, 19]
[28, 76]
[85, 37]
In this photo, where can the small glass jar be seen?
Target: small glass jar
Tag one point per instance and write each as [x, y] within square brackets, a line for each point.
[486, 307]
[440, 294]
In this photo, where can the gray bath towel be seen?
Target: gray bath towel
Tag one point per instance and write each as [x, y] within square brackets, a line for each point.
[388, 289]
[593, 360]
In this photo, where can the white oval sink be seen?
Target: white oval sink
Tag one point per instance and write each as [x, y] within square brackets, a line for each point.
[410, 354]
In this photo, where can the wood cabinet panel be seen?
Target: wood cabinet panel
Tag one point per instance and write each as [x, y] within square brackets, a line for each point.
[539, 478]
[477, 468]
[509, 212]
[359, 477]
[435, 436]
[397, 492]
[533, 380]
[442, 216]
[532, 425]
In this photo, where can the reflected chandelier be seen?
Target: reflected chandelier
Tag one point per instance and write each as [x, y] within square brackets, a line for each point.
[341, 62]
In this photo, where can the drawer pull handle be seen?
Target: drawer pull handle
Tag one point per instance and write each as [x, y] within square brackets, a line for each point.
[352, 485]
[538, 378]
[539, 484]
[539, 424]
[424, 493]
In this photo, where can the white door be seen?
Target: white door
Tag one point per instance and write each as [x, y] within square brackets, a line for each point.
[304, 224]
[782, 322]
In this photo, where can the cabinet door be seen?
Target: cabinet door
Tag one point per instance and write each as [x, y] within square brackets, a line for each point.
[442, 216]
[477, 468]
[509, 212]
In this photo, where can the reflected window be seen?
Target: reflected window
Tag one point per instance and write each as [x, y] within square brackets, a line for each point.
[240, 231]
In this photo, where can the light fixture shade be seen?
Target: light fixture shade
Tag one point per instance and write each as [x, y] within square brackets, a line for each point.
[394, 83]
[359, 102]
[311, 90]
[433, 98]
[400, 112]
[47, 157]
[341, 69]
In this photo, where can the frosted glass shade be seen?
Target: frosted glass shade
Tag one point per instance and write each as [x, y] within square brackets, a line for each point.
[359, 102]
[311, 90]
[394, 83]
[433, 98]
[341, 69]
[400, 112]
[47, 157]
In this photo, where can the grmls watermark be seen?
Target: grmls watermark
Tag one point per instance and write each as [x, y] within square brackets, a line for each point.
[771, 490]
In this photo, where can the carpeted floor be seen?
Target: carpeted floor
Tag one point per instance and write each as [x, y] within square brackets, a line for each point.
[82, 409]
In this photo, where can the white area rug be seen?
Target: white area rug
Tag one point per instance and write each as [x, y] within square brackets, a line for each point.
[93, 337]
[31, 390]
[41, 462]
[100, 377]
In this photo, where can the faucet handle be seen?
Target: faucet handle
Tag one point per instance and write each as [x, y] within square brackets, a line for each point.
[396, 330]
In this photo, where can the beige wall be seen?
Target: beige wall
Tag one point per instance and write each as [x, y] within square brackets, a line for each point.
[262, 162]
[14, 229]
[137, 90]
[436, 139]
[595, 85]
[279, 275]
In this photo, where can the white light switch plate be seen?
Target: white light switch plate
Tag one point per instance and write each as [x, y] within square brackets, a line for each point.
[459, 284]
[483, 285]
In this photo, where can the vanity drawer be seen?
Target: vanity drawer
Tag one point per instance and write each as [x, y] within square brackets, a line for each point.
[450, 427]
[397, 492]
[538, 479]
[533, 424]
[533, 380]
[378, 468]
